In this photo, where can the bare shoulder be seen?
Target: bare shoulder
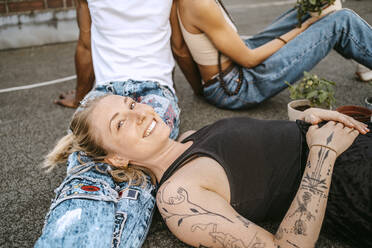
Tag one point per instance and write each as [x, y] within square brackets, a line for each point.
[198, 173]
[199, 8]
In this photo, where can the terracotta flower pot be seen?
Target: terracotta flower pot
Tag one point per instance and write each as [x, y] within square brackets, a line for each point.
[296, 107]
[357, 112]
[337, 5]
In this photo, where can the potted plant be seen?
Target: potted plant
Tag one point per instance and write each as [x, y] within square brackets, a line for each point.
[316, 7]
[311, 91]
[359, 113]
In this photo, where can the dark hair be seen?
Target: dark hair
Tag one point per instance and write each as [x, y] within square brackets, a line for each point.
[227, 12]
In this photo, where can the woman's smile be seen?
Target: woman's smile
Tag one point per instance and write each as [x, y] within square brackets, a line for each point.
[150, 128]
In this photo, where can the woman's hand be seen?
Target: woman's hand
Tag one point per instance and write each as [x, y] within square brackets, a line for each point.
[334, 136]
[316, 115]
[314, 19]
[311, 20]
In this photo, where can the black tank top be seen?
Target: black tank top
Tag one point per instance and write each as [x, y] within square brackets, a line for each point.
[262, 160]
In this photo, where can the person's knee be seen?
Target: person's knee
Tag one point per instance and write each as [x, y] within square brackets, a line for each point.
[345, 14]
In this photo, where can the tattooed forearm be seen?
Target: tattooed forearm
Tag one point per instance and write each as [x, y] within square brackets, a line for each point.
[182, 198]
[245, 222]
[313, 181]
[227, 240]
[292, 244]
[300, 225]
[303, 221]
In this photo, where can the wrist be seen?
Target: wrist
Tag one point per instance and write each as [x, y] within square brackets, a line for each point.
[319, 146]
[282, 40]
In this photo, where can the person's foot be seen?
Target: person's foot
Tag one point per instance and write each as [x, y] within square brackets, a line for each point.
[67, 99]
[363, 73]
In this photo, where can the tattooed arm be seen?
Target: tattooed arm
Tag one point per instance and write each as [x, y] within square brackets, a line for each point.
[301, 225]
[200, 215]
[202, 218]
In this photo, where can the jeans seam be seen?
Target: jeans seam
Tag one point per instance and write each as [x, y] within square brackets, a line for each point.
[95, 180]
[58, 191]
[298, 58]
[148, 224]
[81, 168]
[122, 224]
[357, 43]
[82, 196]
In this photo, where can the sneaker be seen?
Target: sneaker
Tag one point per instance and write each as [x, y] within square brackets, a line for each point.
[363, 73]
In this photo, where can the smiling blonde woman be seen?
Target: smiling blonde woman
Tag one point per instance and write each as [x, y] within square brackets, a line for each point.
[218, 181]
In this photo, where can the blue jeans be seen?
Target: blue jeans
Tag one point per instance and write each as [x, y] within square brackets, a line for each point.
[90, 209]
[342, 30]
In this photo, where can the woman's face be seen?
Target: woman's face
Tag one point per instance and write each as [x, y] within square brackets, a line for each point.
[129, 129]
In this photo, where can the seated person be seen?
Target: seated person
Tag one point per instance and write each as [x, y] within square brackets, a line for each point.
[218, 181]
[124, 46]
[241, 73]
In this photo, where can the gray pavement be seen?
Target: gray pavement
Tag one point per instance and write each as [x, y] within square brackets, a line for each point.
[30, 123]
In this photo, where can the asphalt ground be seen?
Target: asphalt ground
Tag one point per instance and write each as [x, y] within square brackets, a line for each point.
[30, 123]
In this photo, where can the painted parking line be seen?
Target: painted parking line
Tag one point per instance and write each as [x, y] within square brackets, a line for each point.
[259, 5]
[56, 81]
[230, 7]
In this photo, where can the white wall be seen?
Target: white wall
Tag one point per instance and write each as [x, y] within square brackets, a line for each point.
[38, 28]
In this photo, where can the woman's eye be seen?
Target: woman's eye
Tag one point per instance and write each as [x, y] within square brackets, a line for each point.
[132, 105]
[120, 123]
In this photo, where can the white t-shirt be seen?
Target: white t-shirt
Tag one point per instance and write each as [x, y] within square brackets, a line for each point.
[130, 39]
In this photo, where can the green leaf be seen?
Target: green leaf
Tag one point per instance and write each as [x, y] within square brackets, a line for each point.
[322, 96]
[318, 91]
[312, 94]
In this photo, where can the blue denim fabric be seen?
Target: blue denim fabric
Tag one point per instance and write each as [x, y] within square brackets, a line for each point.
[342, 30]
[90, 209]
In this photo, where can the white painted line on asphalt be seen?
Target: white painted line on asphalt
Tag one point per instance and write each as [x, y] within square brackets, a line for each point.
[259, 5]
[56, 81]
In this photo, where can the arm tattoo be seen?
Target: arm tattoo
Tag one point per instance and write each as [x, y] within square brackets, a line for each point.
[279, 233]
[300, 224]
[245, 222]
[227, 240]
[330, 138]
[314, 183]
[182, 198]
[292, 244]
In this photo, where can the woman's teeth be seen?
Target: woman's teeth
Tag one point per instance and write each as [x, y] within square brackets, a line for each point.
[150, 128]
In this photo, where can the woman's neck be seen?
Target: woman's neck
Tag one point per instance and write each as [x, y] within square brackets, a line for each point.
[159, 164]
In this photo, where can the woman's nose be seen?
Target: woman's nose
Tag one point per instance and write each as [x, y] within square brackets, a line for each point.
[141, 116]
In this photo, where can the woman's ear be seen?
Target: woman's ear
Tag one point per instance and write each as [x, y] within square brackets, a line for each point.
[116, 161]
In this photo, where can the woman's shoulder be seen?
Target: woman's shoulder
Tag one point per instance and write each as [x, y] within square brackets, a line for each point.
[194, 174]
[199, 8]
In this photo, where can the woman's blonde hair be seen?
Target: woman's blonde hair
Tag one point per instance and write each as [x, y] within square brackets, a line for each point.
[81, 138]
